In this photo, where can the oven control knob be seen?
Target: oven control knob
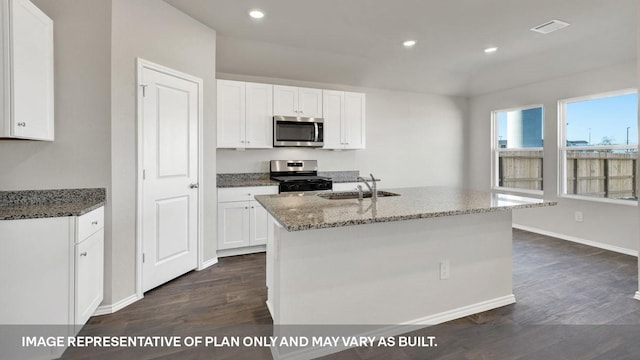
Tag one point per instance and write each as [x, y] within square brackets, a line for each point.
[293, 186]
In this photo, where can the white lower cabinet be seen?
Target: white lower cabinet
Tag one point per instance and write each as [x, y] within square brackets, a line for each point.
[51, 273]
[89, 259]
[242, 221]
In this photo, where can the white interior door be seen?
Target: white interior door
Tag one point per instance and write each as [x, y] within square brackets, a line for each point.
[169, 224]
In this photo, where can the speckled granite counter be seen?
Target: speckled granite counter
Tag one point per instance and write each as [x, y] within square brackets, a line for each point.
[262, 179]
[33, 204]
[308, 211]
[244, 180]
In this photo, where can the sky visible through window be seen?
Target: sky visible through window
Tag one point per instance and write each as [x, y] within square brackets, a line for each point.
[604, 121]
[596, 121]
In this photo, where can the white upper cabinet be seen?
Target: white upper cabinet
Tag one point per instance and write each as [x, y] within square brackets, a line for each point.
[333, 103]
[297, 101]
[245, 112]
[344, 120]
[26, 71]
[231, 113]
[285, 100]
[310, 102]
[354, 120]
[259, 112]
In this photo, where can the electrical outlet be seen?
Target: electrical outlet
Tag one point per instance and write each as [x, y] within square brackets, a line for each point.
[444, 269]
[578, 216]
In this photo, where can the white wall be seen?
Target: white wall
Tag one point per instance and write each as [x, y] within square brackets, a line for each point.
[610, 224]
[412, 139]
[154, 31]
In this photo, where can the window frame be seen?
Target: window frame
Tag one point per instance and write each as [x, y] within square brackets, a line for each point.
[496, 150]
[563, 148]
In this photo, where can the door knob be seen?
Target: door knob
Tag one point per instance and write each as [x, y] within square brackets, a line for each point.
[194, 186]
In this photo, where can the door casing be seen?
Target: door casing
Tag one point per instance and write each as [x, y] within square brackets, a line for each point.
[142, 64]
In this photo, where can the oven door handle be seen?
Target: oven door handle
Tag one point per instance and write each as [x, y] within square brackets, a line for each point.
[317, 131]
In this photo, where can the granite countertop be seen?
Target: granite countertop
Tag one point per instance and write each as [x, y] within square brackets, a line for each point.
[306, 211]
[34, 204]
[244, 180]
[262, 179]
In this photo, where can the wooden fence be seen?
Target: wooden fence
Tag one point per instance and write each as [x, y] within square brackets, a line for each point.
[521, 169]
[602, 173]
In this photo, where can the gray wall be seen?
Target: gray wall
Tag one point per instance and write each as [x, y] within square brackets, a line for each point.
[96, 44]
[610, 224]
[411, 139]
[80, 155]
[157, 32]
[638, 163]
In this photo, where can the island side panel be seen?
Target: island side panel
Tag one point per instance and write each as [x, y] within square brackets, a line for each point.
[388, 273]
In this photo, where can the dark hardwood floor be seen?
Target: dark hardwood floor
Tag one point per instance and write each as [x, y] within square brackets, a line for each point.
[573, 302]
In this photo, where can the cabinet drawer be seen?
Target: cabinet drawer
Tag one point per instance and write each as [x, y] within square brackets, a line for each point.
[244, 193]
[89, 223]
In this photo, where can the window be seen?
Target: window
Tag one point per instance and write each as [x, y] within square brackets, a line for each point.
[600, 146]
[517, 149]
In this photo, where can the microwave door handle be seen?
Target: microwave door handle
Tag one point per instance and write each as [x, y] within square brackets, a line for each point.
[315, 127]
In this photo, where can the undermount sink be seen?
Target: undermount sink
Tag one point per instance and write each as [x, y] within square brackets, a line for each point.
[345, 195]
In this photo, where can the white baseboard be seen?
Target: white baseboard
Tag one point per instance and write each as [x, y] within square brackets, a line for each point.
[596, 244]
[242, 251]
[395, 330]
[637, 295]
[111, 308]
[464, 311]
[206, 264]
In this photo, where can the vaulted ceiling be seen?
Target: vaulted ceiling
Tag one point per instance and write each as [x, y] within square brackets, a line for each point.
[359, 42]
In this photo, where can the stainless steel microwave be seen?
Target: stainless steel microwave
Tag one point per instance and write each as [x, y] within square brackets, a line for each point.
[298, 131]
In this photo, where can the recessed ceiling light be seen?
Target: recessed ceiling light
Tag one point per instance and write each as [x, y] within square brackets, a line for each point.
[490, 50]
[409, 43]
[256, 14]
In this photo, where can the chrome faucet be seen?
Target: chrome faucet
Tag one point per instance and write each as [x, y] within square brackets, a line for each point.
[372, 187]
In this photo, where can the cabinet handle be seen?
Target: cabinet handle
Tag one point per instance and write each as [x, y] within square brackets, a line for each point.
[83, 254]
[194, 186]
[242, 141]
[95, 222]
[23, 124]
[249, 194]
[246, 208]
[248, 142]
[253, 207]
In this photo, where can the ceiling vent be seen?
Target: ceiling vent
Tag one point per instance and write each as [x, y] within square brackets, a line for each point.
[550, 26]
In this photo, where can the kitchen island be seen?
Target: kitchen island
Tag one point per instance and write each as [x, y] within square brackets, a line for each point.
[427, 256]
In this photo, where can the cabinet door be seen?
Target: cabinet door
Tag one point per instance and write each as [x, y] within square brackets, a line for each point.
[259, 116]
[233, 224]
[36, 272]
[32, 70]
[310, 102]
[333, 110]
[259, 224]
[231, 114]
[354, 120]
[89, 276]
[285, 100]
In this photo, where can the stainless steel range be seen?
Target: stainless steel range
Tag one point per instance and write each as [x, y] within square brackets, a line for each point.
[299, 175]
